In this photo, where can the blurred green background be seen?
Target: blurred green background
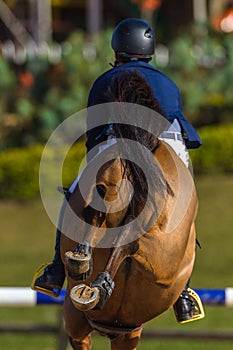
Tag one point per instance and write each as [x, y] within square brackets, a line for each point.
[37, 94]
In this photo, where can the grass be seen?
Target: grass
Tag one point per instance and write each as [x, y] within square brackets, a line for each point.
[27, 240]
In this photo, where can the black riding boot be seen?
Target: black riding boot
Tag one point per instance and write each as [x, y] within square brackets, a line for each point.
[52, 276]
[188, 307]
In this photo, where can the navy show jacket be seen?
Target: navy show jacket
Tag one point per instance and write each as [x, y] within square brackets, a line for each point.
[165, 91]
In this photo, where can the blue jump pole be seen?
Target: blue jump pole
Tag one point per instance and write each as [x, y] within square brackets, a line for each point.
[25, 296]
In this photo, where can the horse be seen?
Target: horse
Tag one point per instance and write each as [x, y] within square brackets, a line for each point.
[128, 234]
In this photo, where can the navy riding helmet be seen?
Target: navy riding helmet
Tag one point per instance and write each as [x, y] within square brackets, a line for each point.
[133, 38]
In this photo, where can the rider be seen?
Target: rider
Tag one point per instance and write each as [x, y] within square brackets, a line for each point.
[133, 42]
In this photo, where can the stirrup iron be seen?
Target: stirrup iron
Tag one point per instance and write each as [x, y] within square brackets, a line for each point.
[198, 310]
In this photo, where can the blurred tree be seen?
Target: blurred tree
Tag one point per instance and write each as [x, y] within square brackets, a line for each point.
[38, 96]
[221, 17]
[147, 8]
[205, 76]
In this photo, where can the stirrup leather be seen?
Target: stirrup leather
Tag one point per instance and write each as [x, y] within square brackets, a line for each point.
[54, 292]
[198, 310]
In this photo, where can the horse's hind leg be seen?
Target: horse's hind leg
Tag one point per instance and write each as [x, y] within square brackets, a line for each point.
[76, 326]
[84, 344]
[127, 341]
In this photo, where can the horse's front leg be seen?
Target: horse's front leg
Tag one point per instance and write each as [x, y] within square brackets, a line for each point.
[95, 296]
[104, 281]
[79, 260]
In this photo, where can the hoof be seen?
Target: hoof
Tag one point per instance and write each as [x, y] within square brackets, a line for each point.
[78, 262]
[84, 297]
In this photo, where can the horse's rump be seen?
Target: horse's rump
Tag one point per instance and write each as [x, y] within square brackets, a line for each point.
[164, 256]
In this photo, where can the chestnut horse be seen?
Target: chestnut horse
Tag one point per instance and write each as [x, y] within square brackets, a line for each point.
[128, 235]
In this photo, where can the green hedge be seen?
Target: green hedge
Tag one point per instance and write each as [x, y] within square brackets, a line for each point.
[19, 171]
[19, 168]
[216, 153]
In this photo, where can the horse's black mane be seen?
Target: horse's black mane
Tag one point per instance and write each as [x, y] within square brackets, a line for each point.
[131, 87]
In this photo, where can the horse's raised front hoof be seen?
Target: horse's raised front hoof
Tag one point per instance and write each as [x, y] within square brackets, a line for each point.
[84, 297]
[78, 262]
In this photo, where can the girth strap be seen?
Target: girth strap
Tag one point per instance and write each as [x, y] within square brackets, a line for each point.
[111, 331]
